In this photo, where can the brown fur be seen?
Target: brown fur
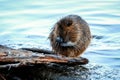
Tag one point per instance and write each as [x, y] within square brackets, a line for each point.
[71, 28]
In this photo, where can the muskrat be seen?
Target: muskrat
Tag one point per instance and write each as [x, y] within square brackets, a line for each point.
[70, 36]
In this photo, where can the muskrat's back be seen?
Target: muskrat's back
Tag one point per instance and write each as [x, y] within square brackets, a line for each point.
[70, 36]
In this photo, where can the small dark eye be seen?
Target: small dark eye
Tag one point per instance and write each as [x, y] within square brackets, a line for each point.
[69, 23]
[60, 26]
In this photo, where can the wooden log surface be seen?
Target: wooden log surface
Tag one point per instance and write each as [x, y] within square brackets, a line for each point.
[32, 56]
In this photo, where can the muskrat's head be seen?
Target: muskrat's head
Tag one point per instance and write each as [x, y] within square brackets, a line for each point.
[68, 31]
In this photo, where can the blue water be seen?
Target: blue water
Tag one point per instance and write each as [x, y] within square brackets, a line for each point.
[27, 23]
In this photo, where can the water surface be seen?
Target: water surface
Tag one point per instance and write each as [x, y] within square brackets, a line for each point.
[27, 23]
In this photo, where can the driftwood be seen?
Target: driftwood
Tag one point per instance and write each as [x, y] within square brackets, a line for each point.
[30, 56]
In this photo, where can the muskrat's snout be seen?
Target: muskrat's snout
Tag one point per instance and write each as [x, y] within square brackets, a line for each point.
[59, 39]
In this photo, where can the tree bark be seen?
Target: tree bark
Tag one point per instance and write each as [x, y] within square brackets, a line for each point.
[31, 56]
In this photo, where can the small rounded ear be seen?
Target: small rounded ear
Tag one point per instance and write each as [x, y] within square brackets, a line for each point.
[69, 23]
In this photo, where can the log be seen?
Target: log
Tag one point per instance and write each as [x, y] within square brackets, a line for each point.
[31, 56]
[38, 50]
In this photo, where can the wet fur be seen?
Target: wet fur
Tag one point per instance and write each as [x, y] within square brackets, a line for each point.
[71, 28]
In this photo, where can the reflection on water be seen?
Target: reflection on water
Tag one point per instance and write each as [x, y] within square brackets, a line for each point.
[63, 72]
[49, 72]
[27, 23]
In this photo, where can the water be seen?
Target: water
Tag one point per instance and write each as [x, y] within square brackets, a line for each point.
[27, 23]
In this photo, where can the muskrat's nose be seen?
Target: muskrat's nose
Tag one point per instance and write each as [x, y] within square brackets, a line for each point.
[59, 40]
